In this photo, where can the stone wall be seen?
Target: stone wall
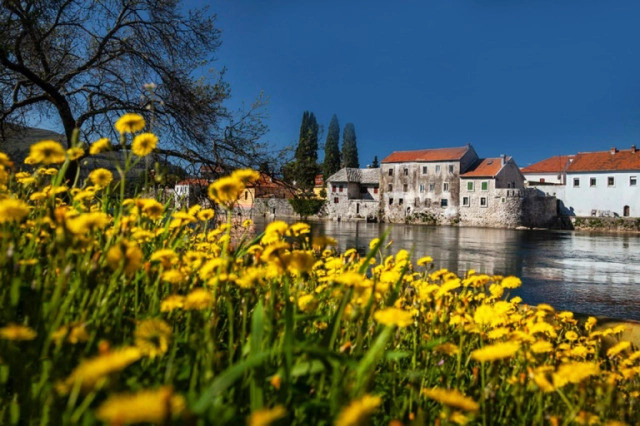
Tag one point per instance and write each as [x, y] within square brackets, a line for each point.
[511, 208]
[354, 210]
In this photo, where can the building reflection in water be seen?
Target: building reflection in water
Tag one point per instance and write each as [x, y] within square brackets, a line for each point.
[596, 274]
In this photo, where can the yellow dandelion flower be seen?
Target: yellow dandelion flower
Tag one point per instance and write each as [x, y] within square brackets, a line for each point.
[245, 175]
[152, 337]
[300, 261]
[452, 398]
[225, 190]
[394, 316]
[484, 315]
[175, 301]
[498, 333]
[173, 276]
[496, 352]
[306, 302]
[619, 347]
[143, 144]
[99, 146]
[571, 336]
[126, 252]
[358, 411]
[541, 346]
[206, 214]
[101, 177]
[574, 372]
[130, 123]
[17, 332]
[198, 299]
[274, 232]
[75, 153]
[423, 261]
[13, 210]
[88, 222]
[588, 325]
[165, 256]
[93, 369]
[266, 416]
[511, 282]
[299, 228]
[47, 152]
[541, 380]
[147, 406]
[447, 348]
[5, 160]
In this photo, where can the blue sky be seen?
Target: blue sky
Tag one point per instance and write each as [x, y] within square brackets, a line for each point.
[527, 78]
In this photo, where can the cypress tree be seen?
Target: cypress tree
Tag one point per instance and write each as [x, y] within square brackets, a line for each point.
[375, 163]
[349, 147]
[332, 149]
[305, 167]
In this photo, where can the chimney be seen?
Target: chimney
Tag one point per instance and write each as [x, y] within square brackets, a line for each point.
[613, 150]
[503, 157]
[633, 149]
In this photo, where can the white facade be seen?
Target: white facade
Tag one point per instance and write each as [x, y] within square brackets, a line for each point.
[548, 178]
[603, 193]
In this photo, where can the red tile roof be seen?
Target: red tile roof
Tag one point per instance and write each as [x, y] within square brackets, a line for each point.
[555, 164]
[193, 181]
[439, 154]
[604, 161]
[487, 167]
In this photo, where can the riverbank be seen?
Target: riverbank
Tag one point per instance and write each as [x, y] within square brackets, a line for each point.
[607, 224]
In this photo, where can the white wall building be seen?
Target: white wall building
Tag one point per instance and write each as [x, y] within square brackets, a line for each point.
[550, 171]
[604, 183]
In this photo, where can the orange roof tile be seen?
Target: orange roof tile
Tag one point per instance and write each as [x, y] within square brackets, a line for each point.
[193, 181]
[604, 161]
[438, 154]
[487, 167]
[555, 164]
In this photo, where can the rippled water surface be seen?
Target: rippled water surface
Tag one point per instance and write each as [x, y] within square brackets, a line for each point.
[596, 274]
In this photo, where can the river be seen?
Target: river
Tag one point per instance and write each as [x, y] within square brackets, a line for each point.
[595, 274]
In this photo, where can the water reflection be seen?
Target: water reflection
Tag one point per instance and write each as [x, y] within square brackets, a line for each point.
[588, 273]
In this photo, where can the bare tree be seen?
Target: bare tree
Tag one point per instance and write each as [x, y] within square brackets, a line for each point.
[87, 62]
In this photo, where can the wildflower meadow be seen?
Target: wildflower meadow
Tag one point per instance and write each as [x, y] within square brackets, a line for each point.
[124, 310]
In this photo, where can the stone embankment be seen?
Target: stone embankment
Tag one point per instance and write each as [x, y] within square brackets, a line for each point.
[606, 224]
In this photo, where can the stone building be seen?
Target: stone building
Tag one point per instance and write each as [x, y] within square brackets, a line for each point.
[492, 194]
[424, 185]
[354, 194]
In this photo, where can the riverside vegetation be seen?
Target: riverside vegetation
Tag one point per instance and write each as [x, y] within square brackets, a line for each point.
[121, 311]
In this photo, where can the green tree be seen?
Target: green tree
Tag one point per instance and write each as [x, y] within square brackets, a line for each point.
[375, 163]
[349, 147]
[305, 168]
[332, 149]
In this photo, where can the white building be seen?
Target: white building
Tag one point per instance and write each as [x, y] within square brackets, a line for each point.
[550, 171]
[604, 183]
[353, 194]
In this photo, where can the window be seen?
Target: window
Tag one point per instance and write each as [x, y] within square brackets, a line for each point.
[483, 201]
[390, 201]
[422, 188]
[576, 182]
[469, 186]
[390, 188]
[405, 187]
[335, 200]
[246, 195]
[633, 181]
[406, 172]
[610, 181]
[444, 202]
[390, 172]
[445, 186]
[438, 168]
[450, 168]
[427, 202]
[432, 186]
[375, 190]
[400, 201]
[484, 186]
[424, 170]
[363, 190]
[465, 201]
[416, 201]
[333, 188]
[341, 188]
[592, 182]
[541, 180]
